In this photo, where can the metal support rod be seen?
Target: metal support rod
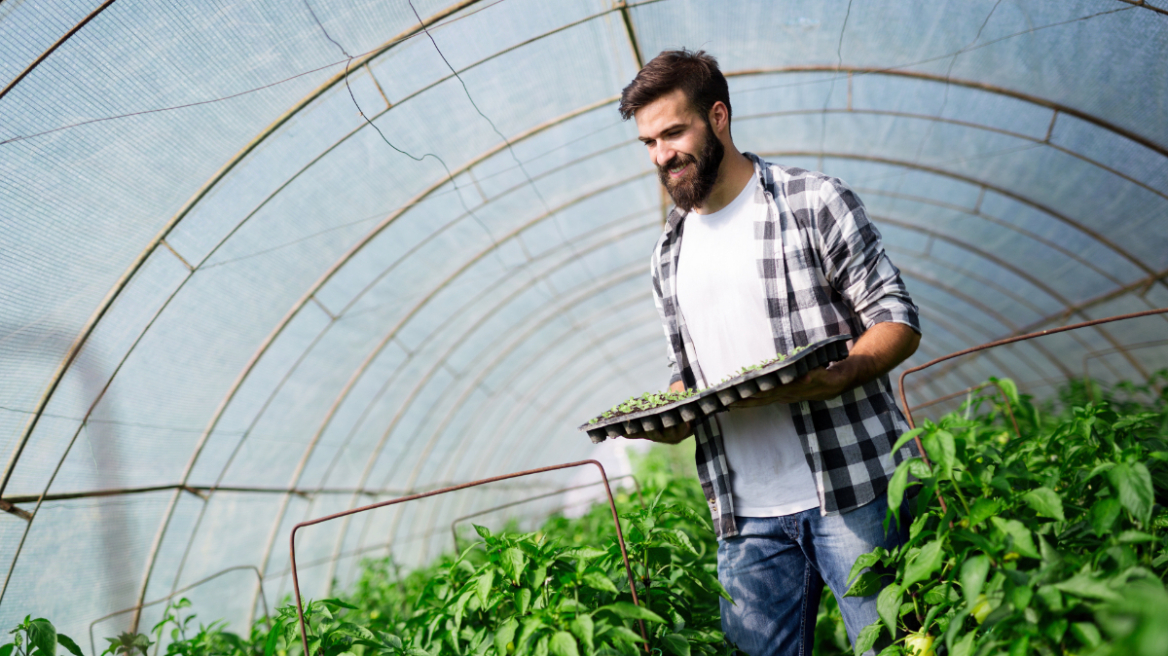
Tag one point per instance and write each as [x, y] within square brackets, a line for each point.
[454, 532]
[1011, 340]
[413, 497]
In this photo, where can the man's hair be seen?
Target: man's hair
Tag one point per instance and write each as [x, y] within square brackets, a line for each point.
[695, 73]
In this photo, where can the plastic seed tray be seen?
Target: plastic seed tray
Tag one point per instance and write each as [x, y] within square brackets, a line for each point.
[715, 399]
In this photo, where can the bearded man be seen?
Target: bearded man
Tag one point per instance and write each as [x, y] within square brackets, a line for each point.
[774, 258]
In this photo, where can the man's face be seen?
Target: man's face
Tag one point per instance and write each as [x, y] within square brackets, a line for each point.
[683, 147]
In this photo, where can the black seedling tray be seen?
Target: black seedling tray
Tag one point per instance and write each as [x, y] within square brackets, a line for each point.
[713, 400]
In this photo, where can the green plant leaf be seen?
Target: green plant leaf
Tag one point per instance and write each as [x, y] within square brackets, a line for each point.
[504, 635]
[584, 629]
[630, 611]
[483, 531]
[584, 553]
[942, 451]
[927, 561]
[1132, 537]
[982, 510]
[624, 633]
[904, 439]
[483, 585]
[1046, 502]
[1084, 585]
[1023, 541]
[598, 581]
[896, 488]
[43, 635]
[888, 605]
[523, 601]
[973, 576]
[563, 644]
[866, 584]
[867, 638]
[67, 642]
[1133, 484]
[513, 561]
[1103, 514]
[864, 561]
[1086, 633]
[675, 644]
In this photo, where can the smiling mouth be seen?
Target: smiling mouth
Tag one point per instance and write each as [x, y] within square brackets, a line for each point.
[677, 171]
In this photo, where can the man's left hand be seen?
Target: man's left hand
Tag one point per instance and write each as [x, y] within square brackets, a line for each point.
[816, 385]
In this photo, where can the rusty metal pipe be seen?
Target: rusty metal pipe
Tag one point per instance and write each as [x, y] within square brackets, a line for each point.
[462, 486]
[1011, 340]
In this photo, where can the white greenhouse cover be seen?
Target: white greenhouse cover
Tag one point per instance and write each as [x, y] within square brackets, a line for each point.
[263, 261]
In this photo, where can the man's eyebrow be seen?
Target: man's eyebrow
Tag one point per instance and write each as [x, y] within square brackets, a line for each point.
[668, 129]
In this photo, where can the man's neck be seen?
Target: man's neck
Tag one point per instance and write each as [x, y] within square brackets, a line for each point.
[733, 174]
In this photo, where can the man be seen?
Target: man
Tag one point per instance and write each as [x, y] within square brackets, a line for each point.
[774, 258]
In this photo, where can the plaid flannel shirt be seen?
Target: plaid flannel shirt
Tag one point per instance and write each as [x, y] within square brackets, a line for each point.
[824, 271]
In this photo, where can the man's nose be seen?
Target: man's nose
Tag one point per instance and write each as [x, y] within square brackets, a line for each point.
[663, 155]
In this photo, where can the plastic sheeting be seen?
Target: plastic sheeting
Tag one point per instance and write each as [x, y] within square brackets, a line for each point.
[264, 261]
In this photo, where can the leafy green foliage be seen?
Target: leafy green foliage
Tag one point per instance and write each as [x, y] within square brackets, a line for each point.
[564, 588]
[646, 401]
[37, 637]
[766, 363]
[1051, 543]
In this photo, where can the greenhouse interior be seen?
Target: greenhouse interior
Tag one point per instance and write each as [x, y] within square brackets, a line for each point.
[262, 262]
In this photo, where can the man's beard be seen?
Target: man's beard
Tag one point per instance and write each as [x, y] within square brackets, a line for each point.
[692, 189]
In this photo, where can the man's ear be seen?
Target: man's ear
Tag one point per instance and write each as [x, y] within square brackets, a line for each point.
[719, 116]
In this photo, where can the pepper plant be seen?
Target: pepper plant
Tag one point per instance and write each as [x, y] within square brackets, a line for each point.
[1049, 542]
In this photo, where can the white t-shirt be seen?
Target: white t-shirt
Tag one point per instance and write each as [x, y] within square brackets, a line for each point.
[721, 297]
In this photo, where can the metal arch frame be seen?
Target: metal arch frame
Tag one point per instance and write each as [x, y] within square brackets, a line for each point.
[424, 380]
[1045, 209]
[384, 387]
[977, 211]
[456, 410]
[1012, 340]
[490, 312]
[969, 300]
[389, 44]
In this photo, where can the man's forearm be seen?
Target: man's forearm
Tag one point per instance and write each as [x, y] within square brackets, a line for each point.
[875, 353]
[878, 351]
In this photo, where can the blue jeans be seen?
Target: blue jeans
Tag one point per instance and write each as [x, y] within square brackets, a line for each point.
[775, 569]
